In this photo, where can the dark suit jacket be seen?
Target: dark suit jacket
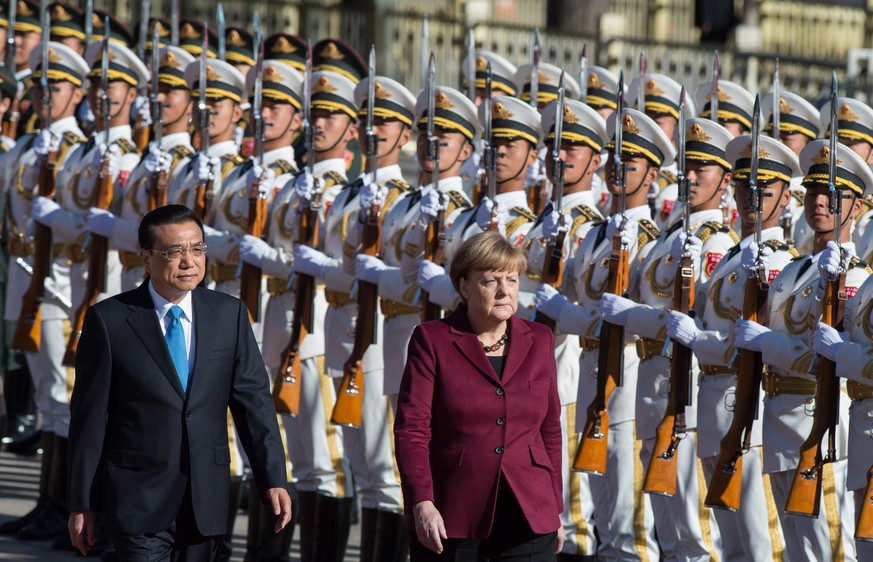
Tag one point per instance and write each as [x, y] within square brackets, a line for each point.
[136, 440]
[460, 429]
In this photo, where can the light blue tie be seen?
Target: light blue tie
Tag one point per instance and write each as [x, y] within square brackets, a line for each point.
[176, 344]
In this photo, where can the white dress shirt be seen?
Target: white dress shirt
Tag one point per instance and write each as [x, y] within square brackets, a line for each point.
[162, 308]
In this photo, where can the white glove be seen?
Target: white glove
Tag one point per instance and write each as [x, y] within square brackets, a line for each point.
[46, 142]
[831, 261]
[615, 309]
[114, 156]
[140, 109]
[695, 248]
[629, 235]
[549, 301]
[369, 268]
[750, 256]
[85, 115]
[369, 195]
[155, 159]
[306, 185]
[484, 211]
[682, 328]
[552, 223]
[43, 210]
[239, 136]
[309, 261]
[826, 341]
[252, 250]
[101, 222]
[427, 272]
[207, 166]
[535, 174]
[430, 205]
[749, 335]
[266, 176]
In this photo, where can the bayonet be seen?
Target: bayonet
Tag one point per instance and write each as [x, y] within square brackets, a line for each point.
[144, 13]
[471, 65]
[835, 202]
[308, 130]
[222, 41]
[44, 83]
[777, 95]
[583, 74]
[641, 90]
[713, 92]
[10, 36]
[372, 138]
[681, 179]
[433, 143]
[535, 70]
[174, 23]
[425, 50]
[258, 94]
[489, 152]
[89, 22]
[105, 110]
[202, 107]
[557, 162]
[617, 151]
[157, 107]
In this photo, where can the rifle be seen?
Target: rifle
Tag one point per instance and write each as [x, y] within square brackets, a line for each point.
[250, 275]
[89, 23]
[553, 263]
[174, 23]
[286, 386]
[28, 330]
[661, 473]
[592, 451]
[140, 130]
[725, 486]
[98, 246]
[583, 74]
[350, 398]
[203, 198]
[10, 124]
[713, 91]
[805, 494]
[489, 153]
[222, 40]
[435, 234]
[158, 182]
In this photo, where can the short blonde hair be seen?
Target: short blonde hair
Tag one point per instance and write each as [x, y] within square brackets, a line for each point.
[486, 251]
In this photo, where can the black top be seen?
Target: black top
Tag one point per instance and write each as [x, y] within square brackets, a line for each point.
[496, 364]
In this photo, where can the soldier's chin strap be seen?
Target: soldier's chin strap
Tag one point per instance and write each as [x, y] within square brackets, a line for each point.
[338, 140]
[776, 207]
[521, 170]
[714, 193]
[642, 181]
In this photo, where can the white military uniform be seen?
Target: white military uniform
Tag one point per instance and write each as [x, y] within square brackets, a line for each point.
[624, 515]
[794, 308]
[854, 364]
[135, 204]
[183, 188]
[581, 216]
[50, 377]
[314, 444]
[685, 528]
[748, 534]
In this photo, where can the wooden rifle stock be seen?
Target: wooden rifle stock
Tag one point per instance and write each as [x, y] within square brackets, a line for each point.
[250, 276]
[553, 269]
[286, 386]
[10, 124]
[203, 199]
[141, 134]
[804, 498]
[98, 247]
[538, 197]
[435, 251]
[591, 454]
[864, 526]
[725, 485]
[28, 329]
[158, 189]
[662, 470]
[350, 398]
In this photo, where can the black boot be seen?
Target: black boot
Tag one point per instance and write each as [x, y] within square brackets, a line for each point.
[306, 502]
[333, 521]
[12, 527]
[53, 521]
[369, 516]
[22, 435]
[391, 538]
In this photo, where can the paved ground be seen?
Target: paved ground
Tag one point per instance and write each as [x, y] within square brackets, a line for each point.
[18, 483]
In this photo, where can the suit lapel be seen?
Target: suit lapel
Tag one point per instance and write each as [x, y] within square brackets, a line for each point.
[468, 344]
[519, 345]
[204, 317]
[144, 322]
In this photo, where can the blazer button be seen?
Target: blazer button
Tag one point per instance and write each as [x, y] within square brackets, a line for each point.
[498, 450]
[500, 392]
[501, 421]
[188, 413]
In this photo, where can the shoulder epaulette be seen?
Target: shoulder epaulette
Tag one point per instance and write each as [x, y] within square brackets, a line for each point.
[798, 197]
[126, 146]
[780, 246]
[282, 167]
[332, 178]
[233, 158]
[648, 231]
[179, 153]
[524, 212]
[585, 215]
[457, 200]
[395, 188]
[72, 137]
[859, 263]
[666, 178]
[712, 227]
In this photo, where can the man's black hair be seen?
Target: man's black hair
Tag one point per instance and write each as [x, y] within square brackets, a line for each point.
[168, 214]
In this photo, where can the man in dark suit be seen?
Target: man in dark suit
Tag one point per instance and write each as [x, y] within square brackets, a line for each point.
[157, 369]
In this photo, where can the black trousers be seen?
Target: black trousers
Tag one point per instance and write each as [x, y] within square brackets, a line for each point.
[510, 540]
[181, 542]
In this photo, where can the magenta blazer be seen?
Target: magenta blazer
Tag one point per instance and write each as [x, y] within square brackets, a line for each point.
[460, 429]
